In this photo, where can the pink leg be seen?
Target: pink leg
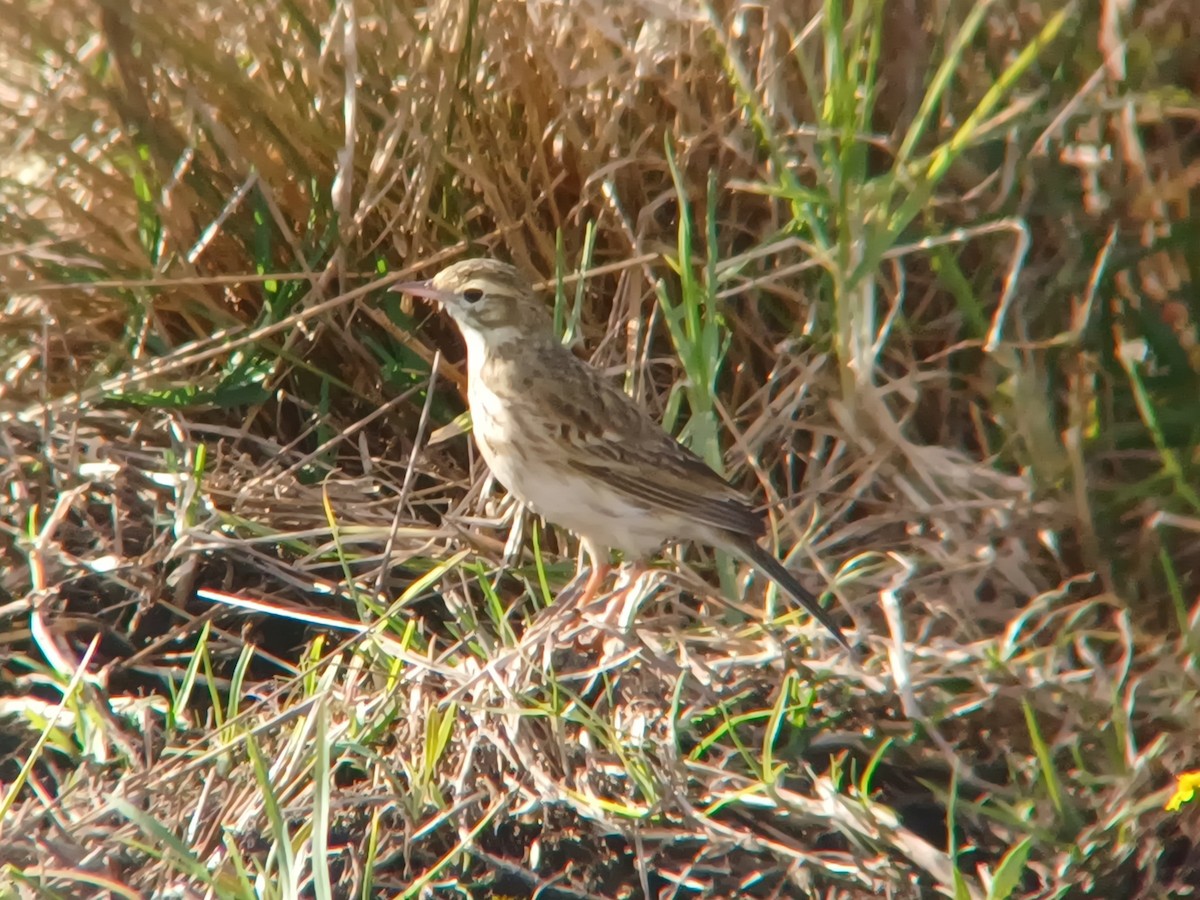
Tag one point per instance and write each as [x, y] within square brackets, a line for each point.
[614, 612]
[598, 557]
[592, 586]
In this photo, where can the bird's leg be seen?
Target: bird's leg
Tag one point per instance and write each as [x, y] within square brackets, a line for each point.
[616, 609]
[595, 579]
[599, 559]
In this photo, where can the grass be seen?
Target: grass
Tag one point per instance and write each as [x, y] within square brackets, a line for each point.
[920, 280]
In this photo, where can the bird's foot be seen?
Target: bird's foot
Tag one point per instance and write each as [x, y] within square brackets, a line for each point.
[606, 621]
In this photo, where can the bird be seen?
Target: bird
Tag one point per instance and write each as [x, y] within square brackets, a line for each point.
[579, 451]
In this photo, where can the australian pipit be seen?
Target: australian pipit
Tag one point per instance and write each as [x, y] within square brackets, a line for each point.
[576, 449]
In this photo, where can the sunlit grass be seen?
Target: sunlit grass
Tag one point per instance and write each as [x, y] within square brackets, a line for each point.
[267, 629]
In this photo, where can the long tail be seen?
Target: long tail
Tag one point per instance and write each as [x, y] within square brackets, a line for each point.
[771, 567]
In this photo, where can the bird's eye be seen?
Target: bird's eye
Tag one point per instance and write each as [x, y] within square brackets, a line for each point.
[472, 295]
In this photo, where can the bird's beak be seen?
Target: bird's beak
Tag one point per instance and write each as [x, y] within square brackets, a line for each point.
[423, 289]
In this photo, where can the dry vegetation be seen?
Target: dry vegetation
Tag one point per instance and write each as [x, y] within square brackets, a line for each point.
[923, 277]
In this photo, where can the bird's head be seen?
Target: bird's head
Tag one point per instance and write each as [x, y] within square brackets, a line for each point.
[490, 301]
